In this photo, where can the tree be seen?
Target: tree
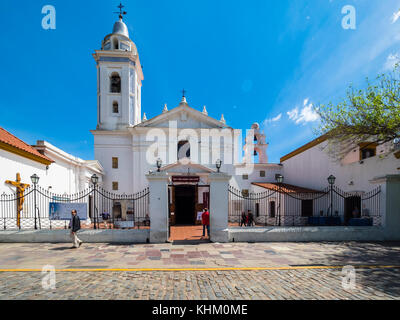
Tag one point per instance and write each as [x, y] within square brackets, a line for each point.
[369, 115]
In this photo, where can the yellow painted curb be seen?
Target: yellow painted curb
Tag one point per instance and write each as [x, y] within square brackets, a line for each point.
[199, 269]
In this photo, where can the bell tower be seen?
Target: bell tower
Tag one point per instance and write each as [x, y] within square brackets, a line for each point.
[119, 79]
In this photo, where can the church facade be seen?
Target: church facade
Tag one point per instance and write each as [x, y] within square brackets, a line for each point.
[185, 142]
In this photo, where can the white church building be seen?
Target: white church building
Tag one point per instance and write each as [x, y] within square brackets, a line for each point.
[190, 161]
[127, 144]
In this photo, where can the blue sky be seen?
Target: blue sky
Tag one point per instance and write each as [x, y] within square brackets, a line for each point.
[254, 61]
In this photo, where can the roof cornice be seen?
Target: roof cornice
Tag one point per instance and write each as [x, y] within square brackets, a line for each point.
[305, 147]
[25, 154]
[111, 132]
[120, 54]
[189, 109]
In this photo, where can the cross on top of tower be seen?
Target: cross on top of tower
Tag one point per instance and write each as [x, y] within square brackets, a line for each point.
[183, 92]
[121, 12]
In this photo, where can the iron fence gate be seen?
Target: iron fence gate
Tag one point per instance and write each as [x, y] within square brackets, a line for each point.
[104, 209]
[329, 207]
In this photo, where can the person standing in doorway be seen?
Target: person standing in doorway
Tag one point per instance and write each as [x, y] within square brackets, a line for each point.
[75, 226]
[243, 221]
[205, 217]
[250, 219]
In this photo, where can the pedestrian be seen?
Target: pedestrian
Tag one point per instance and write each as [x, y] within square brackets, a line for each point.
[250, 219]
[205, 218]
[356, 212]
[106, 217]
[243, 221]
[75, 226]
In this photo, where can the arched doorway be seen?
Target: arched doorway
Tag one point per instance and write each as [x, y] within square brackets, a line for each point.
[186, 203]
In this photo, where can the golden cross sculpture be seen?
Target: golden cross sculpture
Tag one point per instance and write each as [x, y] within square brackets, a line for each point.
[20, 195]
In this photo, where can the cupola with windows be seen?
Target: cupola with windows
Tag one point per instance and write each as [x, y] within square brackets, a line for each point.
[119, 39]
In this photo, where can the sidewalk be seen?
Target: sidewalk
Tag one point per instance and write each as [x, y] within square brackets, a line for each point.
[205, 255]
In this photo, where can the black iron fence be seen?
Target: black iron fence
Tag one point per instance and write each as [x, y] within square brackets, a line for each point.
[279, 207]
[39, 208]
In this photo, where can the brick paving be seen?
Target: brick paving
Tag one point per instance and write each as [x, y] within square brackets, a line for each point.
[167, 255]
[190, 233]
[201, 285]
[309, 282]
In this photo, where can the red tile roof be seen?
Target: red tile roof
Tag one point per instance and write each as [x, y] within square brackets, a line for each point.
[287, 188]
[11, 143]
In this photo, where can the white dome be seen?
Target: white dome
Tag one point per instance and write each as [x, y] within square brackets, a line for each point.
[121, 28]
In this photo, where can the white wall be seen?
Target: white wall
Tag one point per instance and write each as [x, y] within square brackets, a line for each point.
[108, 146]
[11, 164]
[312, 167]
[238, 182]
[63, 175]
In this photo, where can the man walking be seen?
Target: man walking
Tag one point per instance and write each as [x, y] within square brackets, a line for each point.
[75, 225]
[205, 218]
[243, 221]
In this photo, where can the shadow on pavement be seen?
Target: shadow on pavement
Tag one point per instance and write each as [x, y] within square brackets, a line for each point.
[190, 242]
[370, 254]
[61, 248]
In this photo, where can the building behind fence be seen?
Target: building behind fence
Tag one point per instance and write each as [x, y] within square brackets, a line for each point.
[104, 209]
[329, 207]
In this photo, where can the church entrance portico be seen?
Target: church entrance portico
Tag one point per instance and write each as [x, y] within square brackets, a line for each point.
[185, 204]
[177, 217]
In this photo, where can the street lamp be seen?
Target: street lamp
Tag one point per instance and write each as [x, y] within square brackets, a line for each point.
[279, 180]
[35, 180]
[218, 164]
[159, 164]
[95, 179]
[331, 180]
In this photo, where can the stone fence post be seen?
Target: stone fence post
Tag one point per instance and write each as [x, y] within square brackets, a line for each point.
[219, 206]
[390, 205]
[158, 188]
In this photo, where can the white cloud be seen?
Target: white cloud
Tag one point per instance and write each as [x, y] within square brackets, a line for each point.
[293, 114]
[395, 16]
[391, 61]
[275, 119]
[306, 114]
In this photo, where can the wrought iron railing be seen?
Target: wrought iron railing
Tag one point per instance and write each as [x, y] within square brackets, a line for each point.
[329, 207]
[102, 208]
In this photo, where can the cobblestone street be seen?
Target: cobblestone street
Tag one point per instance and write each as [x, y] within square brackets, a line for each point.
[199, 285]
[274, 271]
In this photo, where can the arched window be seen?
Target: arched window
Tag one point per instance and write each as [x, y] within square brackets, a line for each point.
[115, 43]
[183, 149]
[272, 209]
[115, 83]
[115, 107]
